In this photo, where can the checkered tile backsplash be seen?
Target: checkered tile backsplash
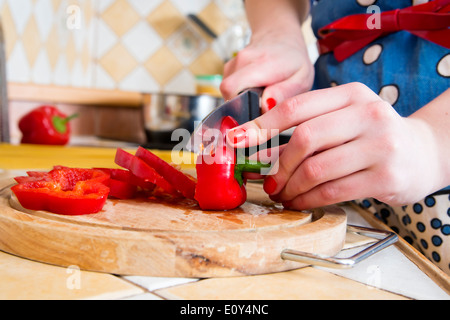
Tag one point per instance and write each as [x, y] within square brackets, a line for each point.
[133, 45]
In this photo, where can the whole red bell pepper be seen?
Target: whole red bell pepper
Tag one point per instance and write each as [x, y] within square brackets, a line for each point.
[220, 181]
[45, 125]
[67, 191]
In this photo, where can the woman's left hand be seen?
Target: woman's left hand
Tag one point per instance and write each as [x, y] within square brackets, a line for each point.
[348, 144]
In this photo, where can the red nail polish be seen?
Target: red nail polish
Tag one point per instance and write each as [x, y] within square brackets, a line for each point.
[275, 197]
[237, 135]
[271, 103]
[270, 185]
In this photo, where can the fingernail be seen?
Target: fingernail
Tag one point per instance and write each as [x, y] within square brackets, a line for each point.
[275, 197]
[237, 135]
[270, 185]
[271, 103]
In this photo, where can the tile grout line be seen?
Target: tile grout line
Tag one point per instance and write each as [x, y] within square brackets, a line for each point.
[146, 290]
[369, 286]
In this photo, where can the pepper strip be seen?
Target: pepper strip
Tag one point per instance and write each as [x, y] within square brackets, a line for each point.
[142, 170]
[180, 181]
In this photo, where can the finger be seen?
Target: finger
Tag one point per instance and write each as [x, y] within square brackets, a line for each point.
[245, 77]
[301, 108]
[269, 155]
[266, 156]
[299, 82]
[355, 186]
[316, 135]
[229, 68]
[253, 176]
[250, 71]
[243, 58]
[326, 166]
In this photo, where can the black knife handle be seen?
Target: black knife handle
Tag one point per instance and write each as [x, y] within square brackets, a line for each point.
[254, 97]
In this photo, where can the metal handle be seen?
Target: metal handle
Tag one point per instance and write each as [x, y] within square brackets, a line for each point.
[387, 238]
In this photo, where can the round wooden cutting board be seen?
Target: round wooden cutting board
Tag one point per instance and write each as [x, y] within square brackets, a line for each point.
[171, 238]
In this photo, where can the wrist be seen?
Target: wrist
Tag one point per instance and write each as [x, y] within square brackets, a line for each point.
[279, 34]
[435, 118]
[267, 15]
[434, 167]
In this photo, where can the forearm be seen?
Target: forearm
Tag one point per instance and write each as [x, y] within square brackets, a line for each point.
[269, 15]
[436, 119]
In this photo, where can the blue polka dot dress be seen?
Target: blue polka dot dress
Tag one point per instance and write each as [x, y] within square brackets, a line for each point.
[408, 72]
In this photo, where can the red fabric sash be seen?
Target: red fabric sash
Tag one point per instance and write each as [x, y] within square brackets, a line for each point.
[348, 35]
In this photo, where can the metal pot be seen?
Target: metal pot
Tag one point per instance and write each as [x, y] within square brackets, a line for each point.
[165, 113]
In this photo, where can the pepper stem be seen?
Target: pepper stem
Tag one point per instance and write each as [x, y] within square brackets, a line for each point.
[248, 165]
[60, 124]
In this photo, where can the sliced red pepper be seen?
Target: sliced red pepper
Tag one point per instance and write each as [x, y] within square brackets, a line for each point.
[121, 189]
[120, 183]
[36, 174]
[68, 177]
[65, 191]
[143, 171]
[180, 181]
[31, 176]
[25, 179]
[141, 183]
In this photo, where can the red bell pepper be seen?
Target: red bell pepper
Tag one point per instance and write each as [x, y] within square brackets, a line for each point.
[31, 176]
[143, 171]
[67, 191]
[120, 184]
[45, 125]
[180, 181]
[220, 181]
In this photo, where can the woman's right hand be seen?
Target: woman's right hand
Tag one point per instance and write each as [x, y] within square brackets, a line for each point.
[350, 144]
[276, 59]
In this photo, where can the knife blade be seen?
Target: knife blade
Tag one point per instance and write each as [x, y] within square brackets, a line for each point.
[243, 108]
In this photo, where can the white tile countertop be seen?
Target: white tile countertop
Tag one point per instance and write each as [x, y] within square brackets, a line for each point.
[389, 270]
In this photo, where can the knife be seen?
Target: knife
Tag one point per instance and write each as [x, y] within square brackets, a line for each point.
[243, 108]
